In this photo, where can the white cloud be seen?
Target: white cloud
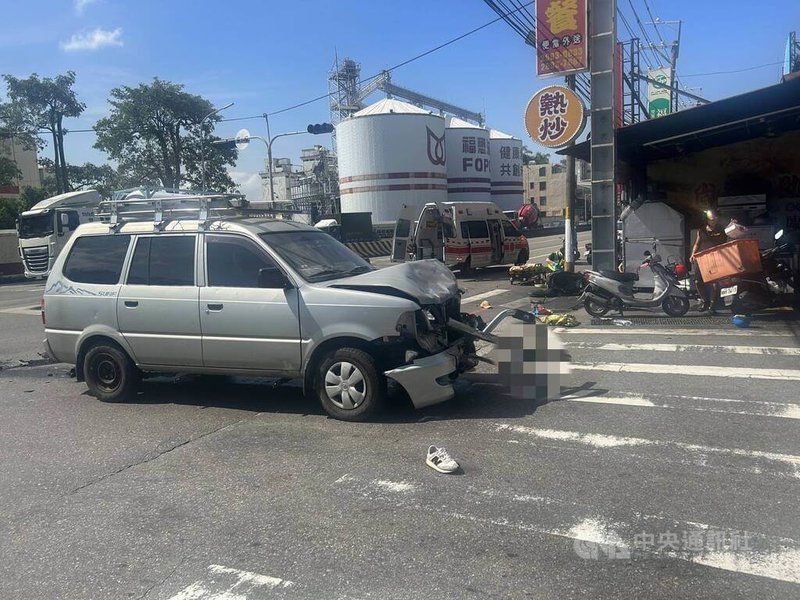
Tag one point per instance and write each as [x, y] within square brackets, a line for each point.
[93, 40]
[250, 184]
[80, 5]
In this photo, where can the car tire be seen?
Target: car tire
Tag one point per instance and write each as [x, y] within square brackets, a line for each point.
[110, 373]
[350, 386]
[523, 256]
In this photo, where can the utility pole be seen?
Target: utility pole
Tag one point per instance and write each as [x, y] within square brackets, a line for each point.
[602, 49]
[673, 69]
[672, 59]
[569, 211]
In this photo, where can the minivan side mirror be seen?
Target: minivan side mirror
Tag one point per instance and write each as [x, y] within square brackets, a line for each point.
[272, 278]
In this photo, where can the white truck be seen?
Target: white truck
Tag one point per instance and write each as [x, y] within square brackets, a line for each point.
[44, 229]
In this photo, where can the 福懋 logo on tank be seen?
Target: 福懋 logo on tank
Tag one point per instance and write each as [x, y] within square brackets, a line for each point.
[436, 152]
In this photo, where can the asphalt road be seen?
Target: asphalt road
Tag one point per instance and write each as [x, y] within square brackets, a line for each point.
[668, 468]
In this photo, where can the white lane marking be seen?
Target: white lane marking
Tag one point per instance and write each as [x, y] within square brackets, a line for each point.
[697, 370]
[597, 538]
[753, 408]
[783, 565]
[483, 296]
[646, 331]
[598, 440]
[235, 585]
[627, 401]
[33, 311]
[400, 487]
[770, 350]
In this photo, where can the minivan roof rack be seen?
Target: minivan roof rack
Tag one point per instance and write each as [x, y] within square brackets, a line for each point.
[167, 207]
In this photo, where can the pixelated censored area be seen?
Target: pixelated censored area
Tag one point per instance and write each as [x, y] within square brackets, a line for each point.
[530, 361]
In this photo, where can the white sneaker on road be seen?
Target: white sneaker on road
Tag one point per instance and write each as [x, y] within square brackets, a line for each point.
[439, 460]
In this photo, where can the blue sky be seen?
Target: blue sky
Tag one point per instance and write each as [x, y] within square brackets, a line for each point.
[267, 55]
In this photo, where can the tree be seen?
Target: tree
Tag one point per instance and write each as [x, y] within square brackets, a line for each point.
[103, 178]
[538, 158]
[8, 171]
[43, 104]
[154, 133]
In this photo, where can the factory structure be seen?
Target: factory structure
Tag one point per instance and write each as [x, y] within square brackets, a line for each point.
[406, 148]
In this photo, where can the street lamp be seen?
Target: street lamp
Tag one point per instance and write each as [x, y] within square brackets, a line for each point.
[203, 141]
[315, 129]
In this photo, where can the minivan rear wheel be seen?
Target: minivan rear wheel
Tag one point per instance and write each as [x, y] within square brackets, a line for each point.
[349, 385]
[110, 374]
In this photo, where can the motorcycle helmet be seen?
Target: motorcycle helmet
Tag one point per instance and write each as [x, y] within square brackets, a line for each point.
[680, 270]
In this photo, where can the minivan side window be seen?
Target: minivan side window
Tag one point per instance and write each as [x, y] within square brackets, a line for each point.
[477, 229]
[97, 259]
[163, 260]
[234, 261]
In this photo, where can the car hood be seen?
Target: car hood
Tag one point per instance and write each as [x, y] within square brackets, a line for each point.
[424, 281]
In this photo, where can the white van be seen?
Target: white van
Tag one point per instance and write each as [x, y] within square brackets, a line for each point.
[463, 235]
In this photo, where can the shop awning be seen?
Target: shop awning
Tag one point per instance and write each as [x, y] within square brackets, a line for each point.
[767, 112]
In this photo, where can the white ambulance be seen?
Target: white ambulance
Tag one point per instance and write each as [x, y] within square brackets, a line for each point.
[463, 235]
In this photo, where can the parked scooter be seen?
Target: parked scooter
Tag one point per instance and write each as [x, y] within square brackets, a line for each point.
[752, 292]
[609, 290]
[588, 254]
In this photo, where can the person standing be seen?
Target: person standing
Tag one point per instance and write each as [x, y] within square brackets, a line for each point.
[712, 234]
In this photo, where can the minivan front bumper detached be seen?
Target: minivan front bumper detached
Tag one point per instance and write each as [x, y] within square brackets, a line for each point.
[427, 380]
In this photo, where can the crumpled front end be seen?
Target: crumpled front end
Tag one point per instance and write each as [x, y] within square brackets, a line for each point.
[427, 380]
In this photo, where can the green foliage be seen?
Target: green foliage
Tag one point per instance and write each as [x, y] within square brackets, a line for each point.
[103, 178]
[9, 211]
[37, 104]
[8, 171]
[154, 134]
[536, 158]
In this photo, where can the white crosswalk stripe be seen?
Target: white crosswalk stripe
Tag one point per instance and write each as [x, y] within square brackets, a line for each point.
[694, 370]
[717, 349]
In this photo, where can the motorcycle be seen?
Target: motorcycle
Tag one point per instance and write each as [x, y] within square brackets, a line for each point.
[752, 292]
[609, 290]
[588, 254]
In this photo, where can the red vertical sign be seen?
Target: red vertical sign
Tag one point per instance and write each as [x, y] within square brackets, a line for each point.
[562, 37]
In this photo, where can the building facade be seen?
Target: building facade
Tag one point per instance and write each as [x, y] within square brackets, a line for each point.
[27, 163]
[545, 186]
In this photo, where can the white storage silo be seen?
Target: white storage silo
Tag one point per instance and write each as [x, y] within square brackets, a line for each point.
[468, 162]
[506, 157]
[391, 153]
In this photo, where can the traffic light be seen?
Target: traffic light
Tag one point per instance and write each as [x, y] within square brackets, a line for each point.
[318, 128]
[225, 144]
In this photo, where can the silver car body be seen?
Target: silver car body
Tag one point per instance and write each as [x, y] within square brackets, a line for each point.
[264, 332]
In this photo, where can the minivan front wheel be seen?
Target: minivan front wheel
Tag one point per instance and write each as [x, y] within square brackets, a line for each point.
[110, 374]
[349, 385]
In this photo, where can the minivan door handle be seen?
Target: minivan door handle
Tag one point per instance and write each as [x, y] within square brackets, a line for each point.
[214, 307]
[131, 303]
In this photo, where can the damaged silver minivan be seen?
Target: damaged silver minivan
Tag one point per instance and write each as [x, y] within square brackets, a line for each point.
[256, 297]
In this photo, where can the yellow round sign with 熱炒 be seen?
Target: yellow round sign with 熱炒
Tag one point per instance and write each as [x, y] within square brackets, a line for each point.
[555, 116]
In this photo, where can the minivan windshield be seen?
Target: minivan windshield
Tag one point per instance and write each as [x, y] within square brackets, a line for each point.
[34, 226]
[315, 255]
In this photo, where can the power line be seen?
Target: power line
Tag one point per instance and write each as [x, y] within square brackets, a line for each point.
[644, 32]
[654, 21]
[772, 64]
[397, 66]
